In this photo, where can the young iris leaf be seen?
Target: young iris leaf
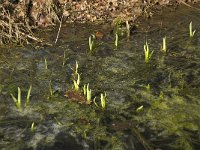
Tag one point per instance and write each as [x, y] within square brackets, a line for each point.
[28, 96]
[89, 94]
[128, 29]
[164, 46]
[45, 62]
[91, 43]
[76, 83]
[64, 57]
[50, 88]
[94, 100]
[18, 100]
[76, 69]
[103, 101]
[139, 108]
[33, 127]
[116, 39]
[191, 32]
[148, 87]
[147, 53]
[84, 90]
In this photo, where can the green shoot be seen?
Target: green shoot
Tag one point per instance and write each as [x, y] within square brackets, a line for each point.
[84, 90]
[164, 46]
[76, 83]
[147, 53]
[91, 42]
[85, 134]
[116, 39]
[28, 96]
[89, 94]
[191, 30]
[139, 108]
[18, 100]
[33, 127]
[161, 96]
[76, 69]
[103, 101]
[128, 29]
[95, 103]
[64, 57]
[50, 88]
[58, 122]
[148, 88]
[45, 62]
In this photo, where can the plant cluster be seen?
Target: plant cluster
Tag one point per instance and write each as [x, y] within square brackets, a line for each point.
[18, 100]
[147, 53]
[84, 94]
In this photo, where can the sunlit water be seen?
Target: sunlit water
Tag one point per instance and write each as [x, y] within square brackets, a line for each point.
[163, 115]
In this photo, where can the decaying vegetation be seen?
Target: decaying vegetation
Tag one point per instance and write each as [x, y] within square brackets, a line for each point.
[18, 18]
[13, 31]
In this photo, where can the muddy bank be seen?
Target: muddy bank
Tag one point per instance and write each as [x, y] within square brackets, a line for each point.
[19, 18]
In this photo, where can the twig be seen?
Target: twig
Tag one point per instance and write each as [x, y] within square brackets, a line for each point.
[60, 25]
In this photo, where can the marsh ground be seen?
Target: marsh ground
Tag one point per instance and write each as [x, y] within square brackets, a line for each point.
[163, 115]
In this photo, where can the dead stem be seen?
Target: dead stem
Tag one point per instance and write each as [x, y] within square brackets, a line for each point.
[60, 25]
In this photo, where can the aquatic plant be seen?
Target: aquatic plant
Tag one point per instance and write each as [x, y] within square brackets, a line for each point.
[116, 39]
[161, 95]
[148, 87]
[84, 90]
[76, 68]
[95, 103]
[128, 29]
[64, 57]
[45, 63]
[139, 108]
[89, 94]
[147, 53]
[91, 42]
[50, 88]
[19, 99]
[77, 82]
[32, 127]
[164, 45]
[58, 122]
[191, 32]
[103, 100]
[28, 96]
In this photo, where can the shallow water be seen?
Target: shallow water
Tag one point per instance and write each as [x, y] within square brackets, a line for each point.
[170, 115]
